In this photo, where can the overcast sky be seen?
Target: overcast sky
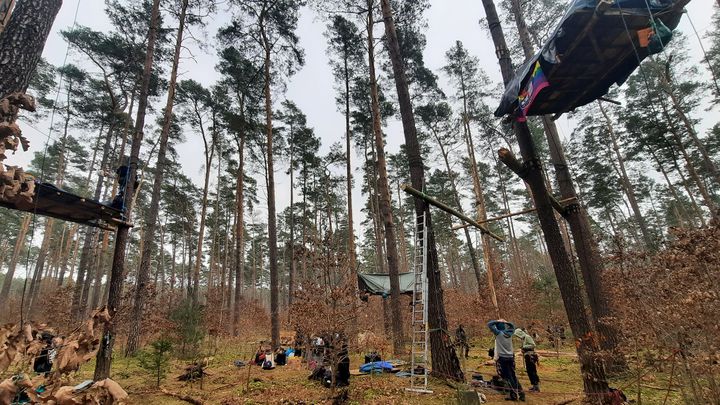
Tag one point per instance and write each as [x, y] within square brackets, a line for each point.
[312, 87]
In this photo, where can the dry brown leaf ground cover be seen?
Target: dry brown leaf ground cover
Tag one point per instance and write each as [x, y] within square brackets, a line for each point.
[228, 384]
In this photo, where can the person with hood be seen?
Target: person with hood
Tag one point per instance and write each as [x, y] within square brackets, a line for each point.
[505, 357]
[531, 358]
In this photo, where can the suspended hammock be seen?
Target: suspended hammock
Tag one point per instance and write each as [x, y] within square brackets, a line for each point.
[597, 44]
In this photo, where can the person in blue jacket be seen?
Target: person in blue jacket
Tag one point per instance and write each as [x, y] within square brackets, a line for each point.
[505, 357]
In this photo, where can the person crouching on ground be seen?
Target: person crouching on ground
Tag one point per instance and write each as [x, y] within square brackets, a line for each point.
[531, 358]
[503, 332]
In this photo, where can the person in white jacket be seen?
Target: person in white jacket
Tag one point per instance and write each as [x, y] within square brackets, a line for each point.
[531, 358]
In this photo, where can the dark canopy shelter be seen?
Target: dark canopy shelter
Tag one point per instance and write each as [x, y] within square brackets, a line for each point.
[597, 44]
[379, 284]
[51, 201]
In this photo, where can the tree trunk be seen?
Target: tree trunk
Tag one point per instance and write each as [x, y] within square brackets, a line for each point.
[104, 356]
[384, 196]
[481, 212]
[67, 251]
[291, 275]
[586, 246]
[627, 185]
[466, 230]
[709, 164]
[201, 231]
[78, 304]
[22, 43]
[40, 262]
[19, 244]
[151, 220]
[352, 259]
[445, 363]
[592, 370]
[272, 220]
[239, 234]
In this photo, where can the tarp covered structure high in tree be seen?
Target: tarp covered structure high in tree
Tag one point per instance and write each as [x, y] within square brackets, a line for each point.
[596, 44]
[51, 201]
[379, 284]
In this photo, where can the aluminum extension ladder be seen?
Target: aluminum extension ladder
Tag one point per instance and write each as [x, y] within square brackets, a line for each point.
[419, 350]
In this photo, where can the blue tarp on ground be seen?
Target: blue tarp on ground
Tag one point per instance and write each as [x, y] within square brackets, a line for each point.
[590, 50]
[376, 365]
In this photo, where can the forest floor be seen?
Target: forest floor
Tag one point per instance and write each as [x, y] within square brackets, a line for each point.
[229, 385]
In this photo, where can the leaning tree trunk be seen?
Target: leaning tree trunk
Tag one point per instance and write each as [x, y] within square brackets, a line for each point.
[23, 41]
[445, 363]
[586, 246]
[104, 356]
[134, 335]
[384, 197]
[586, 343]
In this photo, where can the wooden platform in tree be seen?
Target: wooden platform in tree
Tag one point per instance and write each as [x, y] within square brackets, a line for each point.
[57, 203]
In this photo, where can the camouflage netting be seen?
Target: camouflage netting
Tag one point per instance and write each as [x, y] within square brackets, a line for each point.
[21, 346]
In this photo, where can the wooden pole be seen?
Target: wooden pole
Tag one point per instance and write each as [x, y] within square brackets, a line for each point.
[511, 214]
[419, 194]
[7, 13]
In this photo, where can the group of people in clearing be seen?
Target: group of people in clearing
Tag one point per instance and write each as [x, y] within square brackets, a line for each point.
[504, 355]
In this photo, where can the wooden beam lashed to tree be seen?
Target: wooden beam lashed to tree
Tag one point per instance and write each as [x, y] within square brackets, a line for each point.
[511, 214]
[419, 194]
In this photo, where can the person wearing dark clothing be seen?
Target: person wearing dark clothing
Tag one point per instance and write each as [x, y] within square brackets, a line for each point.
[461, 341]
[342, 378]
[280, 357]
[531, 358]
[43, 363]
[505, 357]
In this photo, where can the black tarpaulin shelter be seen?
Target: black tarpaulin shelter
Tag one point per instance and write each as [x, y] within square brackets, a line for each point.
[379, 284]
[595, 45]
[51, 201]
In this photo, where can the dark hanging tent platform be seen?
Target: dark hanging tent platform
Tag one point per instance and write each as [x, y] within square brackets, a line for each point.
[596, 45]
[379, 284]
[51, 201]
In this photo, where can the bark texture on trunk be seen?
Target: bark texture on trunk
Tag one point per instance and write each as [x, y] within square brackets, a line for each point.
[445, 363]
[104, 356]
[22, 43]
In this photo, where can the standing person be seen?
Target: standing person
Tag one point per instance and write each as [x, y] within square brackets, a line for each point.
[461, 340]
[531, 358]
[503, 331]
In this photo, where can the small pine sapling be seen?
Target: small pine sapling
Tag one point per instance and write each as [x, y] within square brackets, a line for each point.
[156, 360]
